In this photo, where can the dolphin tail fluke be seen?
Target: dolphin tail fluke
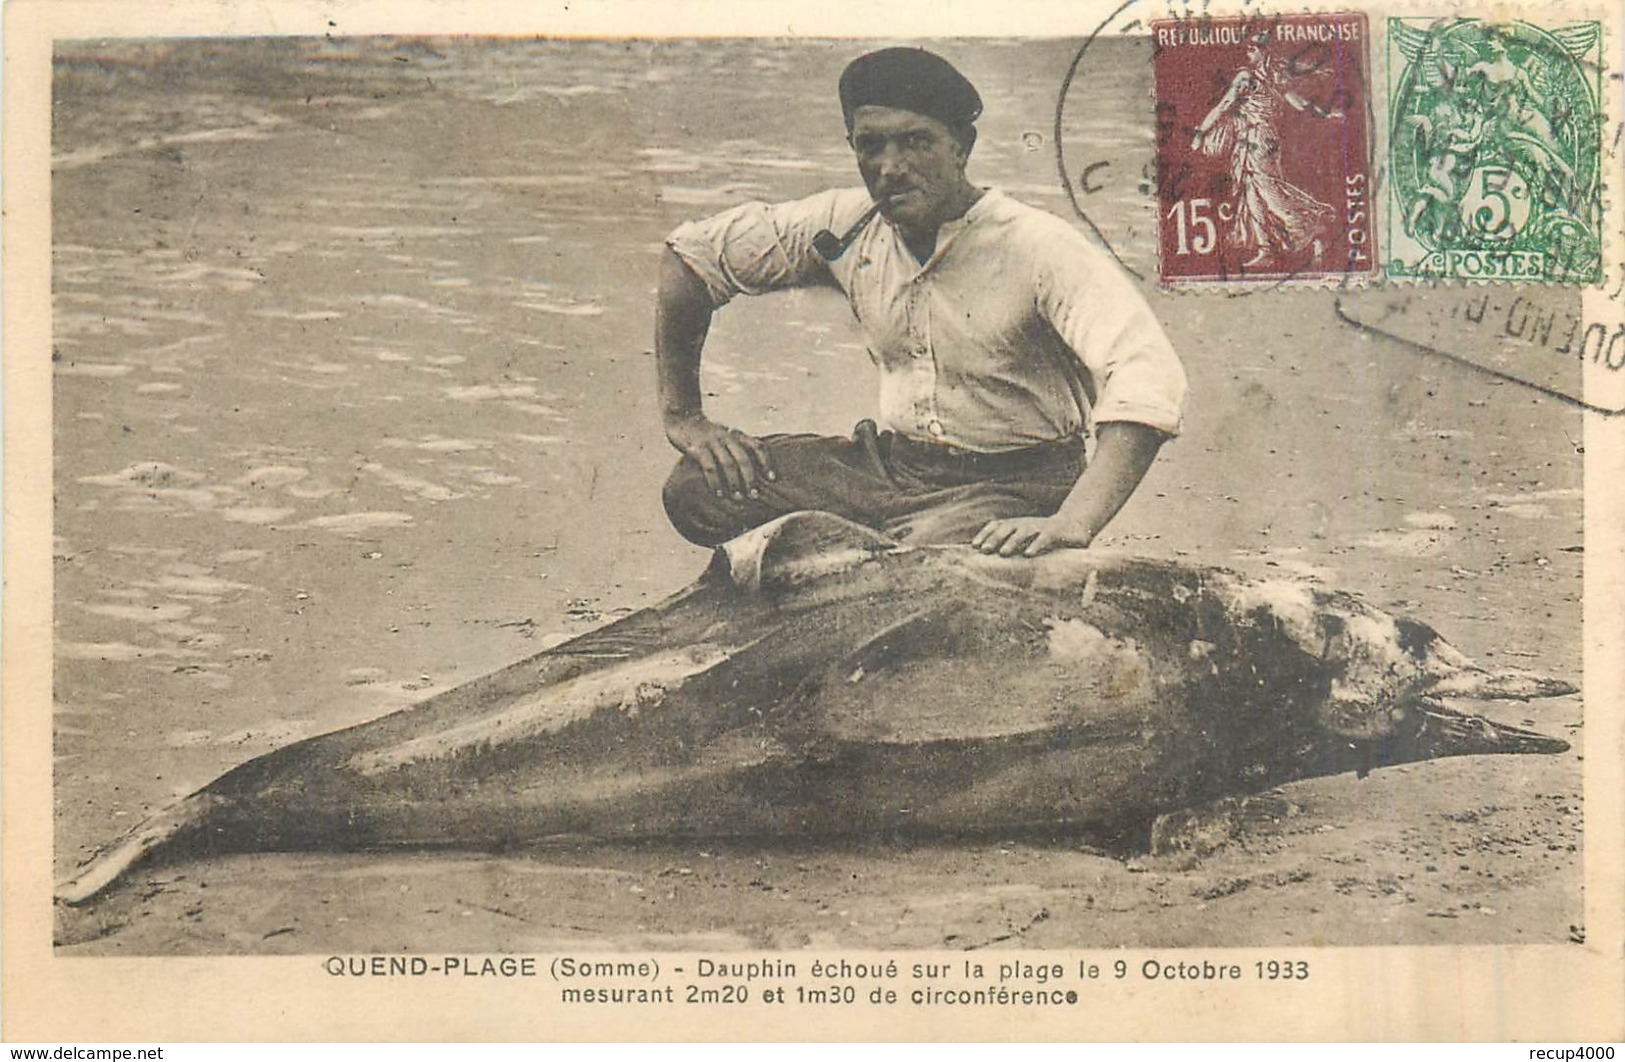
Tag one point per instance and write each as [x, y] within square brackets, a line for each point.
[1448, 733]
[136, 848]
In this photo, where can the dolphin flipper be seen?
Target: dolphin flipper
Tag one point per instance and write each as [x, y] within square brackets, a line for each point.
[799, 548]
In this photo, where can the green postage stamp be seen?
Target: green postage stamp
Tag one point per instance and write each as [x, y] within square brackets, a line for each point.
[1494, 150]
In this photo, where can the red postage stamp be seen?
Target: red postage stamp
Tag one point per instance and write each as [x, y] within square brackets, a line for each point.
[1263, 151]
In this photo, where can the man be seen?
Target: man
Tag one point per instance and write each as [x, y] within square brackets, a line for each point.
[999, 330]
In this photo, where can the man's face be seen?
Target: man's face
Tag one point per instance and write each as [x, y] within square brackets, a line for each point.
[912, 163]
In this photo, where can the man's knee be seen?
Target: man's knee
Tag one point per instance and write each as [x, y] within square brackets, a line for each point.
[692, 507]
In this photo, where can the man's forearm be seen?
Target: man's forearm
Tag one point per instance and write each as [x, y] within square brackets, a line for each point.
[1122, 457]
[682, 320]
[733, 462]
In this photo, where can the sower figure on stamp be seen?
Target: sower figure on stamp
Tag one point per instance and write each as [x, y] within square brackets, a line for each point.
[1272, 214]
[999, 330]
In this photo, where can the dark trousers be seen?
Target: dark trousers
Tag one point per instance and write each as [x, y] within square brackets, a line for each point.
[922, 492]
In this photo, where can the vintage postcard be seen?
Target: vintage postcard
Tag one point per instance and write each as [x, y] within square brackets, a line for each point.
[1094, 521]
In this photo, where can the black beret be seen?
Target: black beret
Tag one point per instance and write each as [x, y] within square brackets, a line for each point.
[911, 79]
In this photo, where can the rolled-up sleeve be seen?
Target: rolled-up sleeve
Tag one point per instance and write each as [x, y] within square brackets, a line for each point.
[758, 247]
[1133, 371]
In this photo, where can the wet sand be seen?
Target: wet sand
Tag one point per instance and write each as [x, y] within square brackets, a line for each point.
[354, 402]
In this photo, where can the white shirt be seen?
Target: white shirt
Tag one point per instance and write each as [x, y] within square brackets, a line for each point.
[1017, 331]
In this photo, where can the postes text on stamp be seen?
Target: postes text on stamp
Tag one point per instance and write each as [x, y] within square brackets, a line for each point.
[1263, 155]
[1494, 153]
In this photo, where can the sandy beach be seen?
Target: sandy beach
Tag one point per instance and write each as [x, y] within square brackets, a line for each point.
[354, 401]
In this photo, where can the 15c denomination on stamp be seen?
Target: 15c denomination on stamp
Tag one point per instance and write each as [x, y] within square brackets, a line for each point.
[1494, 154]
[1263, 152]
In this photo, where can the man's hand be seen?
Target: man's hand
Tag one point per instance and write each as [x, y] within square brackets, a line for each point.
[734, 463]
[1123, 456]
[1029, 536]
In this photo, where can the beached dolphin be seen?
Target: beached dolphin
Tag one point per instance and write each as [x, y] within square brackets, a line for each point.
[821, 680]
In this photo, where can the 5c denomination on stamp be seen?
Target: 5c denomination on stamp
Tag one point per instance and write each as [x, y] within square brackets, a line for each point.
[1263, 150]
[1494, 154]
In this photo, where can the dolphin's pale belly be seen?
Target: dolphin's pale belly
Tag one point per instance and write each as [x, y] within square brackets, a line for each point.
[820, 682]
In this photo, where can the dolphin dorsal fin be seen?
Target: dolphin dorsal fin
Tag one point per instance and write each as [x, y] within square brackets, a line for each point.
[800, 547]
